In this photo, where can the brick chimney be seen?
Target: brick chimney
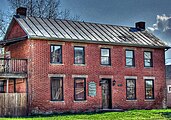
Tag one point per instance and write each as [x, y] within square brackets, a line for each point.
[22, 11]
[140, 25]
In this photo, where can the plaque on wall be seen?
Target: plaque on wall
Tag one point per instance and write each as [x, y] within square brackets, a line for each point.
[92, 89]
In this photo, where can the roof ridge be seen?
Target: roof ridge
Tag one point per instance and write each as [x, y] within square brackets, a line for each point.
[82, 21]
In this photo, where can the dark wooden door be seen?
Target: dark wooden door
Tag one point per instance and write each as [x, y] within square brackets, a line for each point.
[106, 93]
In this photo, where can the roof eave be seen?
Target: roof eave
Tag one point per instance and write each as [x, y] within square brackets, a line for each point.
[97, 42]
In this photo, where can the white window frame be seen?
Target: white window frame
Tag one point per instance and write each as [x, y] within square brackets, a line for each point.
[168, 86]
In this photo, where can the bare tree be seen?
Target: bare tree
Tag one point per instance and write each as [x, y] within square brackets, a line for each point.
[43, 8]
[4, 21]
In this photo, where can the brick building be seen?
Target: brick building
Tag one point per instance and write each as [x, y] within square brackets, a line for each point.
[70, 66]
[168, 83]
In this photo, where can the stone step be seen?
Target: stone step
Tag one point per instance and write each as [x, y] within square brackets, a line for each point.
[112, 110]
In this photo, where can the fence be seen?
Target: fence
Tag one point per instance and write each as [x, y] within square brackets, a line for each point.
[13, 104]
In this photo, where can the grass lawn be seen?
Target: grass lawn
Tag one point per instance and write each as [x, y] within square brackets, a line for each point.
[162, 114]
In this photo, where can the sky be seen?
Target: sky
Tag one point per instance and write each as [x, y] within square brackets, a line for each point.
[156, 14]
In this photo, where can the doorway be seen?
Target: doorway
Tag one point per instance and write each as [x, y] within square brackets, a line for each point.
[106, 93]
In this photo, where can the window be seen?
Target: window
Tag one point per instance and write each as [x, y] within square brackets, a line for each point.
[56, 54]
[57, 88]
[79, 89]
[1, 86]
[105, 56]
[79, 55]
[131, 89]
[148, 59]
[130, 58]
[149, 89]
[169, 88]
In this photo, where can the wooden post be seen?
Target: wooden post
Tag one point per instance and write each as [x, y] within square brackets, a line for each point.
[7, 85]
[14, 85]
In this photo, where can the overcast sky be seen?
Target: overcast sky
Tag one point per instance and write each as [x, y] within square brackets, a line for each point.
[122, 12]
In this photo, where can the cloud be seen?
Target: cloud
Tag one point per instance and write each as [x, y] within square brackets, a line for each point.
[162, 29]
[163, 23]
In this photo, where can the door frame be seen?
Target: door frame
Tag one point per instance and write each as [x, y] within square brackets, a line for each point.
[110, 91]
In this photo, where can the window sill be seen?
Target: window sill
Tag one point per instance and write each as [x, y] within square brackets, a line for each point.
[80, 64]
[147, 67]
[106, 65]
[130, 67]
[80, 101]
[56, 64]
[148, 100]
[56, 101]
[131, 100]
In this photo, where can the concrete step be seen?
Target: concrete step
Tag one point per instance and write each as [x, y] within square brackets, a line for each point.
[111, 110]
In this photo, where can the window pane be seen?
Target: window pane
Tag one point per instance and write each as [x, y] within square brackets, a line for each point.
[79, 55]
[79, 89]
[105, 52]
[129, 62]
[131, 94]
[147, 55]
[56, 54]
[57, 85]
[105, 60]
[149, 83]
[147, 63]
[129, 54]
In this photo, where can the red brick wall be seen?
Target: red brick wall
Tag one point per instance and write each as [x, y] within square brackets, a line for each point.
[41, 67]
[15, 31]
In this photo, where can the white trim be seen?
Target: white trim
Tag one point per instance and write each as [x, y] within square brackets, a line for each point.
[169, 90]
[56, 75]
[132, 100]
[56, 43]
[77, 101]
[146, 100]
[79, 44]
[79, 76]
[130, 77]
[79, 64]
[106, 76]
[105, 46]
[149, 77]
[56, 64]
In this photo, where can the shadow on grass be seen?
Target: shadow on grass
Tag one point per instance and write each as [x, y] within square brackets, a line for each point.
[59, 114]
[166, 114]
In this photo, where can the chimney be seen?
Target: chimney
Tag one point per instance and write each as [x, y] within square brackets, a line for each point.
[21, 11]
[140, 25]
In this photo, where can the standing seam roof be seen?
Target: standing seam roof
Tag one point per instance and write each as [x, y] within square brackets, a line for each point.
[84, 31]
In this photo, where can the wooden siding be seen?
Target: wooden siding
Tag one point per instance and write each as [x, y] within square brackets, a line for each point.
[13, 104]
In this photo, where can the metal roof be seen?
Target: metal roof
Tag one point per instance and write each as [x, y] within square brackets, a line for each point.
[41, 28]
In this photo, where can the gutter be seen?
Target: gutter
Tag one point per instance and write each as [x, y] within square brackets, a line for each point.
[96, 42]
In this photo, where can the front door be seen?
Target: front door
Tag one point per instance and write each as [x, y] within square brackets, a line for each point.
[106, 93]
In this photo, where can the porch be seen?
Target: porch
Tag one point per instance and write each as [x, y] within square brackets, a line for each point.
[13, 87]
[13, 68]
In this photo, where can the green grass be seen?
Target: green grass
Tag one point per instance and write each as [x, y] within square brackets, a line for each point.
[162, 114]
